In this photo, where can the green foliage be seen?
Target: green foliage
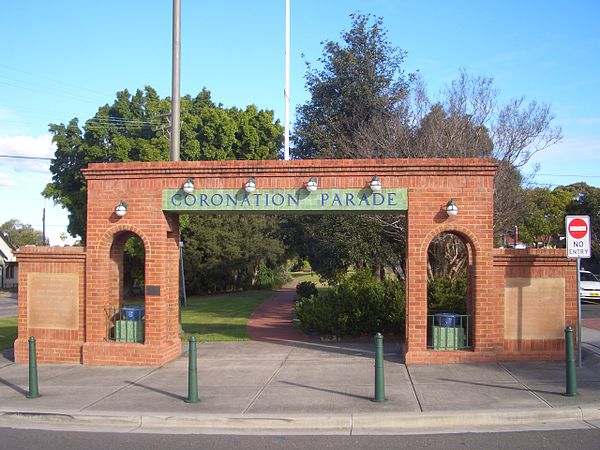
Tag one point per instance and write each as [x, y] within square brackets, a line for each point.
[360, 81]
[333, 244]
[223, 252]
[306, 289]
[545, 220]
[270, 278]
[134, 128]
[220, 317]
[300, 265]
[19, 234]
[357, 305]
[134, 264]
[448, 295]
[586, 201]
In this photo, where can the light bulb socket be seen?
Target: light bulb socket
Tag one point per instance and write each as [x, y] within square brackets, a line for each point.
[375, 184]
[121, 209]
[311, 184]
[250, 185]
[451, 208]
[188, 186]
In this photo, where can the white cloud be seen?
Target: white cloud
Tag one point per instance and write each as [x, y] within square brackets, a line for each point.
[27, 146]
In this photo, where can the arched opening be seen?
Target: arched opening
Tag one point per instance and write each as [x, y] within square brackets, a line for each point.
[126, 297]
[450, 306]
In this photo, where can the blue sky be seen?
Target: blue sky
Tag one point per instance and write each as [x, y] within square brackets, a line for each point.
[65, 58]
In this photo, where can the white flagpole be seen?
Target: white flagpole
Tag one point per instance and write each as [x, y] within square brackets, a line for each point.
[286, 91]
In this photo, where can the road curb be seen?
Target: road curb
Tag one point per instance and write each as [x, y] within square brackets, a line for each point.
[342, 424]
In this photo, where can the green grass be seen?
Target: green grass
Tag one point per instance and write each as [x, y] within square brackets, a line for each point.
[307, 276]
[214, 318]
[8, 332]
[210, 318]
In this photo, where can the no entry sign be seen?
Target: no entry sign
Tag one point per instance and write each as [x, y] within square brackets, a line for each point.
[578, 237]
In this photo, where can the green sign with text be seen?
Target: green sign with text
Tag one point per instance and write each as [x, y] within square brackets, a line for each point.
[277, 201]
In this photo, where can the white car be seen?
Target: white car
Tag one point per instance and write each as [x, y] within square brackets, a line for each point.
[589, 286]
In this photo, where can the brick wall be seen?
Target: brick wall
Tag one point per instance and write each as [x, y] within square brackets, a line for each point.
[539, 264]
[431, 183]
[52, 345]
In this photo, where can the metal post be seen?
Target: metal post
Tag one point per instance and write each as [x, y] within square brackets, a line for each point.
[175, 78]
[286, 91]
[192, 373]
[570, 360]
[182, 274]
[33, 375]
[379, 379]
[579, 340]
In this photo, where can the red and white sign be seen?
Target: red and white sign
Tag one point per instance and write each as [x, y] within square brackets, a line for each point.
[578, 237]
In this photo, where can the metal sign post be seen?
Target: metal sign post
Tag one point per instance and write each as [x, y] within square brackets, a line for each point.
[578, 246]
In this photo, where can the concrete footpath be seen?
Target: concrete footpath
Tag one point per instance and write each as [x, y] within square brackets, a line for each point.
[301, 388]
[285, 383]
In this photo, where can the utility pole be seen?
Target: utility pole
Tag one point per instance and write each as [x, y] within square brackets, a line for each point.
[44, 226]
[286, 91]
[175, 78]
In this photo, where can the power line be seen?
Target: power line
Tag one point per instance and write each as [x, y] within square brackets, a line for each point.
[45, 158]
[561, 175]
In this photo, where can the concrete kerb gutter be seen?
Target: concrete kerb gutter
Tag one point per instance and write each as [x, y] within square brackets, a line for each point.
[335, 424]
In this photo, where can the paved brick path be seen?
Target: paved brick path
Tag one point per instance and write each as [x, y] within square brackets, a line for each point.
[272, 321]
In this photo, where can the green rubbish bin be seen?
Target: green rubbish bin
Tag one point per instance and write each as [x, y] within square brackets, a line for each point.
[129, 330]
[448, 334]
[129, 324]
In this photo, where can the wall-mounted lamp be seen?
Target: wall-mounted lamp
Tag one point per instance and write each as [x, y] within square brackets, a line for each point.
[250, 185]
[188, 186]
[121, 209]
[311, 184]
[375, 184]
[451, 208]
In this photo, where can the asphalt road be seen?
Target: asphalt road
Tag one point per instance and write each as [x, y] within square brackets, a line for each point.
[8, 304]
[590, 310]
[530, 440]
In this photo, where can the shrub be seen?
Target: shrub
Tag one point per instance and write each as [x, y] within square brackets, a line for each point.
[357, 305]
[445, 294]
[268, 278]
[306, 289]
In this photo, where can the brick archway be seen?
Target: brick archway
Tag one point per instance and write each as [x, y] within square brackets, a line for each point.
[473, 248]
[147, 188]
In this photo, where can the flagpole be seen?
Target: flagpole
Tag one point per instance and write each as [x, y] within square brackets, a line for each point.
[286, 91]
[175, 78]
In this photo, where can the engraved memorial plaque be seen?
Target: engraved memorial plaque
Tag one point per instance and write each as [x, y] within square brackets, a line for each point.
[53, 300]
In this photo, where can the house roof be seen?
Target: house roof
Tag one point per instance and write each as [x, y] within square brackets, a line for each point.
[6, 250]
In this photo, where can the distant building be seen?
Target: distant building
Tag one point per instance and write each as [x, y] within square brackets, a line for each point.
[8, 265]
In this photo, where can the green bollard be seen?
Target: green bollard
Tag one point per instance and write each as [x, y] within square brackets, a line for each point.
[192, 373]
[570, 359]
[33, 375]
[379, 382]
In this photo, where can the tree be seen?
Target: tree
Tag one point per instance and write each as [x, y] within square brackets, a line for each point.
[134, 128]
[19, 234]
[360, 82]
[223, 253]
[333, 244]
[362, 105]
[545, 219]
[585, 200]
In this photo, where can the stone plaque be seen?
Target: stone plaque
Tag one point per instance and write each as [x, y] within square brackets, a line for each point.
[53, 300]
[153, 291]
[534, 308]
